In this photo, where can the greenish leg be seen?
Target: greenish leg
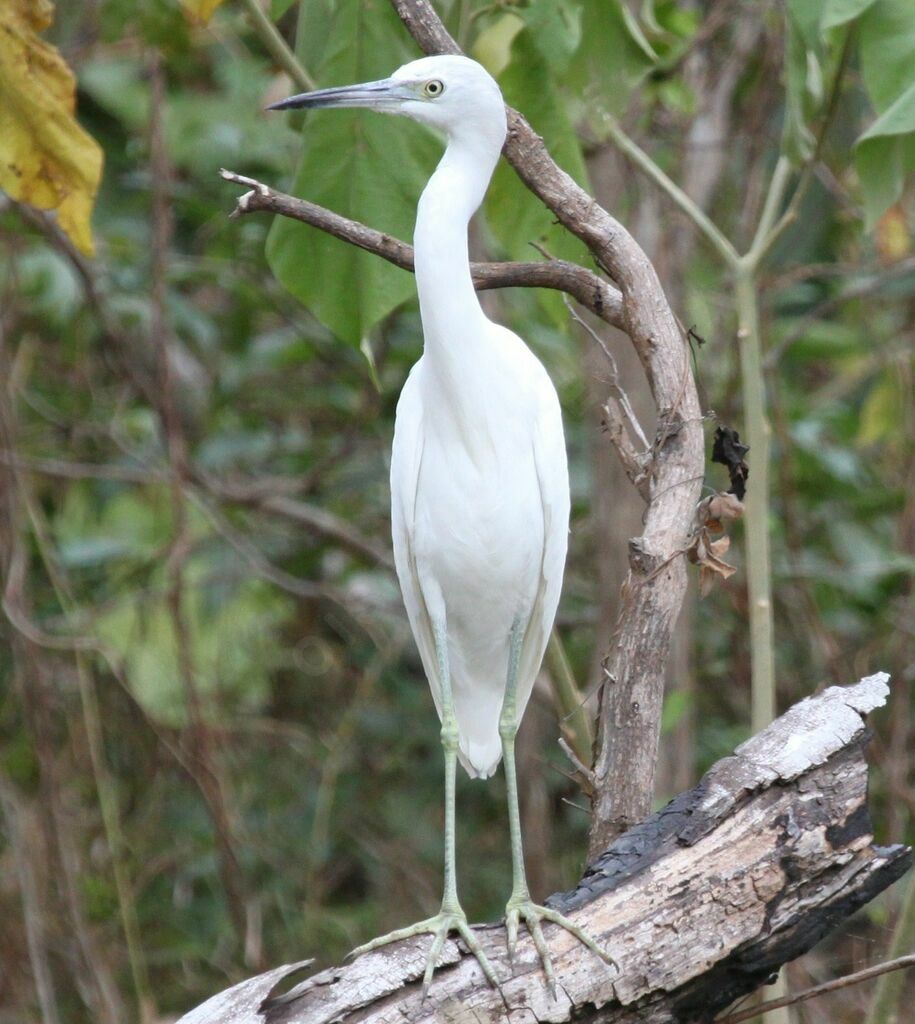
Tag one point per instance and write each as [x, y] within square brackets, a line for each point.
[520, 906]
[451, 917]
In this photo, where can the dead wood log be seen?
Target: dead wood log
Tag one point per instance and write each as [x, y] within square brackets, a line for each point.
[699, 904]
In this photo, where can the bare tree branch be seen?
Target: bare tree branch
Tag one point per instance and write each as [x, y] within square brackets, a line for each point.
[585, 286]
[899, 964]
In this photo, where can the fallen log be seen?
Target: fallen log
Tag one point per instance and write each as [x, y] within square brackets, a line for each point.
[699, 904]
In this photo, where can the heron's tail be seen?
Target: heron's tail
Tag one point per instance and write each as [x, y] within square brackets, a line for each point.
[480, 762]
[477, 709]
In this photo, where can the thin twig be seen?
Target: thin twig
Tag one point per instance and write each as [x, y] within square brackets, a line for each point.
[212, 784]
[828, 986]
[618, 393]
[276, 45]
[672, 190]
[764, 241]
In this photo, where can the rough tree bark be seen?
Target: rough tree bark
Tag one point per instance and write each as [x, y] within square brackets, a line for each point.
[699, 904]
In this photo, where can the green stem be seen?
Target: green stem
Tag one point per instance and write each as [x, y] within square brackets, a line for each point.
[572, 712]
[757, 435]
[276, 46]
[766, 234]
[642, 160]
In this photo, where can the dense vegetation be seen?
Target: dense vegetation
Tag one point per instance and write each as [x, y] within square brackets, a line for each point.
[217, 750]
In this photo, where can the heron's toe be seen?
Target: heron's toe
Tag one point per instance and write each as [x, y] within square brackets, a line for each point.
[532, 914]
[439, 927]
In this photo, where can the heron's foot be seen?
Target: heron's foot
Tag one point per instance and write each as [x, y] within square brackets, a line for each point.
[522, 908]
[447, 920]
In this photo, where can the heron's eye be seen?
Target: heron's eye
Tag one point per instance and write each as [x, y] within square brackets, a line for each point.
[433, 88]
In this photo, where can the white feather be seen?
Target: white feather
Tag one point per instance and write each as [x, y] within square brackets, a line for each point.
[479, 483]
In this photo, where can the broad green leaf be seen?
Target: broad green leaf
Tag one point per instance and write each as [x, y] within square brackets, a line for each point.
[517, 217]
[316, 30]
[556, 28]
[885, 155]
[898, 119]
[492, 47]
[46, 159]
[614, 55]
[807, 16]
[279, 7]
[360, 164]
[840, 12]
[887, 46]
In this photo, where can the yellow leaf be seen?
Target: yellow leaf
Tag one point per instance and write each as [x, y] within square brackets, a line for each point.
[892, 238]
[46, 159]
[200, 10]
[882, 414]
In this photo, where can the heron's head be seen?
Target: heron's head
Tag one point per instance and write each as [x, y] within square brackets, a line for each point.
[454, 94]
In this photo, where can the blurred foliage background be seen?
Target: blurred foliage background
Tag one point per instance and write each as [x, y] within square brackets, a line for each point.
[217, 749]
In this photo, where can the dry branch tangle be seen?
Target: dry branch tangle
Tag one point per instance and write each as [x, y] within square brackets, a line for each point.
[699, 903]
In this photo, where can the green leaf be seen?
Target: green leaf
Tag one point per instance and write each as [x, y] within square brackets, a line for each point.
[360, 164]
[887, 35]
[883, 411]
[885, 154]
[807, 17]
[614, 54]
[840, 12]
[314, 31]
[556, 28]
[898, 119]
[492, 47]
[803, 77]
[516, 217]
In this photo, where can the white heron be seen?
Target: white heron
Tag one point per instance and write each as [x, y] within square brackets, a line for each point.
[479, 482]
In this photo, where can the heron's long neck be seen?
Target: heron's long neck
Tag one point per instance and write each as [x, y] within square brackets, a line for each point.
[451, 314]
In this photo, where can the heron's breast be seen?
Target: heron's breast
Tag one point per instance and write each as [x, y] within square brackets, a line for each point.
[479, 521]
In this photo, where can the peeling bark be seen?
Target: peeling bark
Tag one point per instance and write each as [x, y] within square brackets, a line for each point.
[699, 904]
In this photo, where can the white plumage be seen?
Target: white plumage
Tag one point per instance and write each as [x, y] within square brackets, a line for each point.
[479, 484]
[479, 481]
[480, 513]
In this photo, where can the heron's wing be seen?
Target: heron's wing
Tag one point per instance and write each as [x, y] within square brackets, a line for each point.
[553, 479]
[406, 458]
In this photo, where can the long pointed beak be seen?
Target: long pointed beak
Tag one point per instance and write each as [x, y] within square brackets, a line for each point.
[382, 95]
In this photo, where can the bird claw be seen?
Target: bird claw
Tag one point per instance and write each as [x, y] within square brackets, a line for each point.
[532, 914]
[440, 926]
